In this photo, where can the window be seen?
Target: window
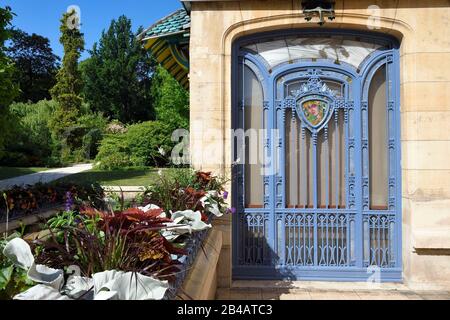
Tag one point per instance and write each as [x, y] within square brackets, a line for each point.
[378, 137]
[253, 123]
[334, 48]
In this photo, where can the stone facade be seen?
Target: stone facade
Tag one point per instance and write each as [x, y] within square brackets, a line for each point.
[423, 28]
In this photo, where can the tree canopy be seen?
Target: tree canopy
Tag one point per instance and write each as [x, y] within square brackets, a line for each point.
[8, 89]
[171, 100]
[36, 65]
[117, 76]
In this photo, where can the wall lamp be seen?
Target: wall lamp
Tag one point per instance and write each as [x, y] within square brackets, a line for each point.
[320, 9]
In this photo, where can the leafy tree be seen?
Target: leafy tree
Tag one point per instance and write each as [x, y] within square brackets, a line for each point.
[68, 86]
[8, 89]
[117, 77]
[171, 100]
[36, 65]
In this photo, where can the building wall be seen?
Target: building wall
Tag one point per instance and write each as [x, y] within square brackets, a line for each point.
[423, 28]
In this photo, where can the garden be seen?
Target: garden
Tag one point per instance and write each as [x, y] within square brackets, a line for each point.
[111, 105]
[116, 108]
[108, 247]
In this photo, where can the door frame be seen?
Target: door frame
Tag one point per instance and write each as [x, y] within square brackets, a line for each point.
[268, 79]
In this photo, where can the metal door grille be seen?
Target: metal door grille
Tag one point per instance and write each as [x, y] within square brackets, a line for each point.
[315, 218]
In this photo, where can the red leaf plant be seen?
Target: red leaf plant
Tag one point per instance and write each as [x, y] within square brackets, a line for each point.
[129, 240]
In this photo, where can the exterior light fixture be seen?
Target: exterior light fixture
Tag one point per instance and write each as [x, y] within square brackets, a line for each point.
[318, 8]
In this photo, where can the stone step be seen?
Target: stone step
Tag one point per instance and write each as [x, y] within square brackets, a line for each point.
[329, 294]
[317, 285]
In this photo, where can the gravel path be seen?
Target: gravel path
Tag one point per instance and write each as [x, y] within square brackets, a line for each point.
[44, 176]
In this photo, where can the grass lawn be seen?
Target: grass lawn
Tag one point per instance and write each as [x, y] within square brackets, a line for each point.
[125, 177]
[7, 172]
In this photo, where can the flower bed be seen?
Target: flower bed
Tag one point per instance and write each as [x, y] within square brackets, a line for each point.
[151, 241]
[20, 202]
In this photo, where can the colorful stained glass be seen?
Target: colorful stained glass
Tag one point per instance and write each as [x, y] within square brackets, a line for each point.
[314, 111]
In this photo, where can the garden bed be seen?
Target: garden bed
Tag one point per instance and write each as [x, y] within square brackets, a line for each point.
[22, 220]
[19, 203]
[156, 237]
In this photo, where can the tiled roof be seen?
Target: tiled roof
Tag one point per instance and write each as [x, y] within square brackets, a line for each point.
[177, 22]
[168, 41]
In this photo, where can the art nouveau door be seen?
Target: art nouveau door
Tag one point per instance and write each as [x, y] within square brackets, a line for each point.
[305, 214]
[315, 206]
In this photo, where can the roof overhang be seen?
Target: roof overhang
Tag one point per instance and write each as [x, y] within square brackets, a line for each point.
[168, 41]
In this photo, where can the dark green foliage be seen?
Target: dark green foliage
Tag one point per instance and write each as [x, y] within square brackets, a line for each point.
[83, 137]
[141, 145]
[117, 76]
[146, 140]
[67, 90]
[171, 100]
[35, 63]
[32, 142]
[93, 126]
[114, 153]
[8, 89]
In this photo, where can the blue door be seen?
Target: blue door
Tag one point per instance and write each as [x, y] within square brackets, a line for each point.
[317, 159]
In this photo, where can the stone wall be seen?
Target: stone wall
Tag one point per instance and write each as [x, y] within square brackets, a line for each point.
[423, 27]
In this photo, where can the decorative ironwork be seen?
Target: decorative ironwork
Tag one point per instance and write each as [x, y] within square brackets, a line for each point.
[254, 249]
[314, 85]
[299, 232]
[333, 240]
[316, 218]
[379, 240]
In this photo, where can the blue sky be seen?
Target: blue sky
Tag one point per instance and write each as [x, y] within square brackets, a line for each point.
[42, 16]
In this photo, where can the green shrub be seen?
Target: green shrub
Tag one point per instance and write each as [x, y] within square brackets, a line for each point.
[90, 130]
[31, 142]
[113, 153]
[146, 140]
[140, 146]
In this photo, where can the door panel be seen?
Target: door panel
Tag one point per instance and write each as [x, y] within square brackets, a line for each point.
[313, 228]
[323, 203]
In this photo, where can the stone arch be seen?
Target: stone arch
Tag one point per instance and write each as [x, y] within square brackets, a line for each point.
[349, 21]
